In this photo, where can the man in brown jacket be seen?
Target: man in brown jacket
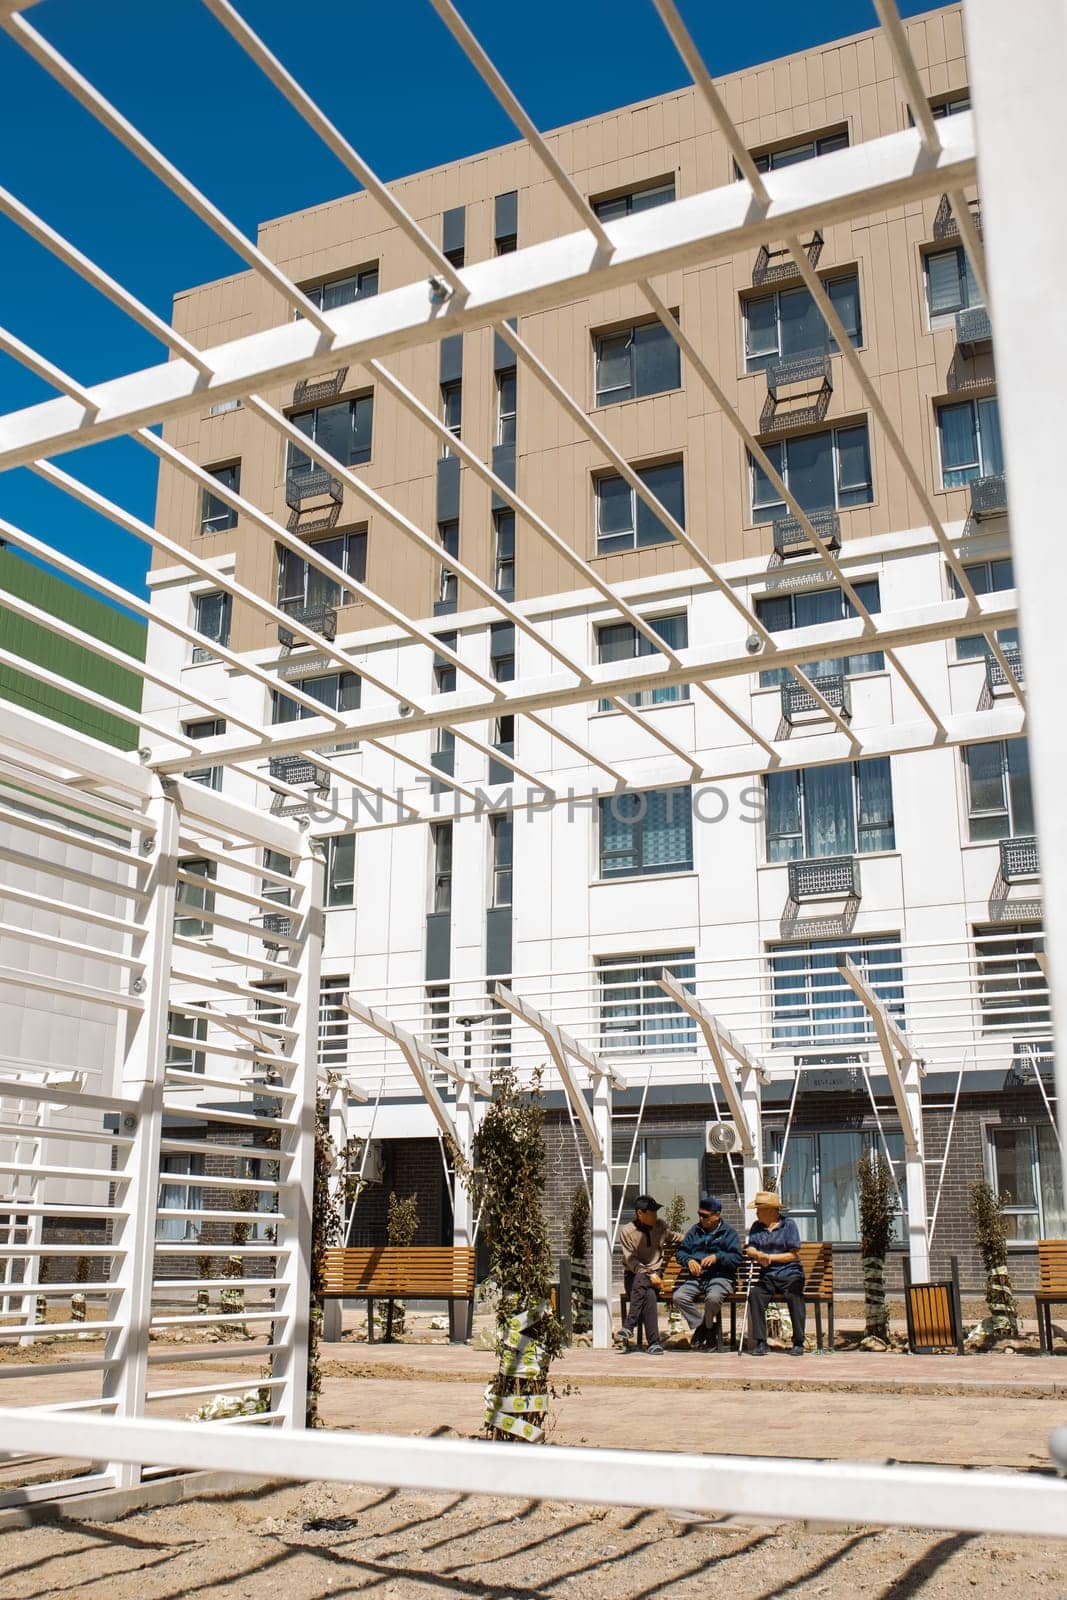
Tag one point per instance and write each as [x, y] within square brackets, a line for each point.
[645, 1242]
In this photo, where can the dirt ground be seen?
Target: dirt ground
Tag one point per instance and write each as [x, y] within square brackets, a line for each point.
[306, 1542]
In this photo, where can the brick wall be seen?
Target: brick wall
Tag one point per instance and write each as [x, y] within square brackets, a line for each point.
[412, 1166]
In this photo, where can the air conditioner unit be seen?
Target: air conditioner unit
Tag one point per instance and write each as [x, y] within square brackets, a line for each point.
[721, 1138]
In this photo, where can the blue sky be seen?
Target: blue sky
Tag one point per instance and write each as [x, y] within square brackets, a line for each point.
[390, 77]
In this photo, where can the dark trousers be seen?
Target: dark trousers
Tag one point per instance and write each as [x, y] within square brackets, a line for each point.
[642, 1306]
[760, 1296]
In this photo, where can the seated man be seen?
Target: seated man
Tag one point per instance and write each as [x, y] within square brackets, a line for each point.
[645, 1243]
[709, 1257]
[774, 1243]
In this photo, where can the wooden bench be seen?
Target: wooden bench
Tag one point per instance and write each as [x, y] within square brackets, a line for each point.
[1052, 1286]
[817, 1260]
[404, 1272]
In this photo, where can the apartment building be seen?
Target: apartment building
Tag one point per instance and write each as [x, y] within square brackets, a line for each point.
[746, 886]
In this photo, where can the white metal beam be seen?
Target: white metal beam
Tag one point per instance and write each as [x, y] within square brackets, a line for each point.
[423, 1059]
[715, 1037]
[876, 175]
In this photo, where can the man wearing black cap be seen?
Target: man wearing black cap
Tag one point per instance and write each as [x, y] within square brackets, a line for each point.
[709, 1257]
[645, 1243]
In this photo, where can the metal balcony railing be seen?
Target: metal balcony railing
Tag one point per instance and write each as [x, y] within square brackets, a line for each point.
[319, 618]
[974, 331]
[790, 539]
[834, 688]
[1019, 859]
[989, 496]
[809, 366]
[823, 877]
[945, 224]
[306, 483]
[994, 673]
[276, 922]
[778, 266]
[302, 774]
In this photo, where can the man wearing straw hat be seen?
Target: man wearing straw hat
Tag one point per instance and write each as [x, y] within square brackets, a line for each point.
[774, 1244]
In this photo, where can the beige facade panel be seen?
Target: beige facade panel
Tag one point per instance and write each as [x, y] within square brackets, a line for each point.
[849, 84]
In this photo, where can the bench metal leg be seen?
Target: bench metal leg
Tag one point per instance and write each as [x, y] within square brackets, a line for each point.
[830, 1320]
[370, 1321]
[331, 1320]
[818, 1325]
[460, 1321]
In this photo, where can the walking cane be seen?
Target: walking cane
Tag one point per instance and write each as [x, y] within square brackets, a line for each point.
[751, 1266]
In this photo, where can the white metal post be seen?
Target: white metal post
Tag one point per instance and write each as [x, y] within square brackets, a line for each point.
[125, 1377]
[601, 1213]
[1018, 66]
[296, 1183]
[753, 1159]
[915, 1177]
[462, 1212]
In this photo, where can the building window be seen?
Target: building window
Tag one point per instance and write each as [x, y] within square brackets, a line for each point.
[504, 554]
[665, 1165]
[359, 285]
[986, 577]
[502, 833]
[197, 896]
[177, 1194]
[789, 323]
[336, 691]
[620, 641]
[1012, 990]
[951, 286]
[647, 831]
[437, 1015]
[821, 470]
[333, 1019]
[624, 521]
[804, 609]
[211, 618]
[830, 811]
[444, 682]
[949, 106]
[1025, 1170]
[969, 432]
[344, 430]
[658, 193]
[636, 361]
[502, 651]
[999, 803]
[506, 403]
[205, 728]
[636, 1017]
[341, 869]
[215, 515]
[447, 580]
[452, 410]
[441, 851]
[300, 583]
[812, 1003]
[280, 893]
[819, 1183]
[183, 1057]
[823, 144]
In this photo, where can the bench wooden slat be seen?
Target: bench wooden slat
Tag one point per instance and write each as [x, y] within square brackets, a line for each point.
[386, 1272]
[1052, 1267]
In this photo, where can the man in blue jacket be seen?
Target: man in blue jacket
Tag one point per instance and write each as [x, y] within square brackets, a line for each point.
[709, 1257]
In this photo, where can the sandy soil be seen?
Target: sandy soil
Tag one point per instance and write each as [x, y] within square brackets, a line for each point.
[311, 1541]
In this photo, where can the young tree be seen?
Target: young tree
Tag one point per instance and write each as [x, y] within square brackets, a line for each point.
[878, 1209]
[578, 1252]
[325, 1232]
[508, 1183]
[402, 1224]
[988, 1214]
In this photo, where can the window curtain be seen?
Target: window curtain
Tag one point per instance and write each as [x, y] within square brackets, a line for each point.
[1022, 804]
[853, 466]
[945, 287]
[665, 482]
[992, 447]
[829, 828]
[959, 444]
[783, 816]
[657, 360]
[803, 328]
[618, 844]
[811, 470]
[668, 830]
[875, 827]
[1054, 1213]
[663, 1024]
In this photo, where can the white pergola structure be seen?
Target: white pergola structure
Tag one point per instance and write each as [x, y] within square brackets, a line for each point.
[259, 1027]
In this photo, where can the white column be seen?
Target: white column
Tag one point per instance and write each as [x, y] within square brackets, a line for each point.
[915, 1178]
[126, 1375]
[298, 1143]
[601, 1217]
[462, 1214]
[332, 1318]
[753, 1163]
[1018, 65]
